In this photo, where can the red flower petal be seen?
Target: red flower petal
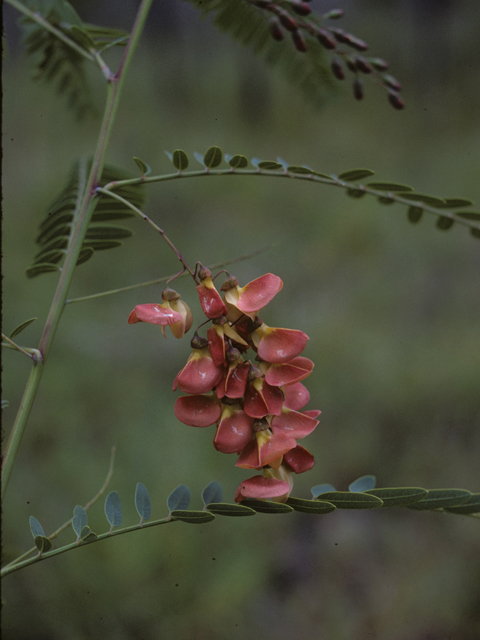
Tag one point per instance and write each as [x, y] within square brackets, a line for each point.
[236, 381]
[197, 411]
[199, 375]
[265, 449]
[295, 424]
[289, 372]
[279, 345]
[234, 431]
[258, 293]
[261, 488]
[154, 314]
[296, 396]
[299, 459]
[216, 344]
[262, 399]
[212, 303]
[312, 413]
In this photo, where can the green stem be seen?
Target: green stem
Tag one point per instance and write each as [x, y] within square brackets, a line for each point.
[75, 545]
[309, 177]
[115, 87]
[34, 354]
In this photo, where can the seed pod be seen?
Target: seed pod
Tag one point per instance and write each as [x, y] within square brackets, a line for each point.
[275, 29]
[362, 64]
[391, 82]
[350, 62]
[379, 64]
[299, 41]
[325, 39]
[287, 21]
[337, 69]
[395, 100]
[301, 8]
[358, 89]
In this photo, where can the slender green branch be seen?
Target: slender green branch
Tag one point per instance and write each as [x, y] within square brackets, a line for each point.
[112, 194]
[82, 220]
[66, 524]
[75, 545]
[309, 177]
[212, 267]
[34, 354]
[39, 19]
[19, 425]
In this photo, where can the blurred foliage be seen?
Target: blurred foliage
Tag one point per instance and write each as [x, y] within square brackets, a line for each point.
[391, 309]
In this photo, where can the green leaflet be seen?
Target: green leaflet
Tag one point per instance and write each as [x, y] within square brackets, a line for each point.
[356, 174]
[349, 500]
[234, 510]
[364, 483]
[420, 197]
[179, 499]
[113, 509]
[237, 162]
[21, 327]
[441, 499]
[472, 505]
[80, 520]
[213, 157]
[213, 493]
[398, 496]
[267, 507]
[311, 506]
[180, 160]
[192, 517]
[388, 186]
[142, 502]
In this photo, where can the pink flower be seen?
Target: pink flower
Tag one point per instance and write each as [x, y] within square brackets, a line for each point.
[172, 312]
[198, 410]
[212, 304]
[234, 430]
[216, 341]
[299, 460]
[199, 375]
[278, 345]
[266, 448]
[234, 381]
[290, 372]
[296, 396]
[262, 399]
[261, 487]
[254, 295]
[294, 423]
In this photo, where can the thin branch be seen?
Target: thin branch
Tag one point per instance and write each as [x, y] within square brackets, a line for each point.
[34, 354]
[112, 194]
[309, 177]
[212, 267]
[39, 19]
[64, 526]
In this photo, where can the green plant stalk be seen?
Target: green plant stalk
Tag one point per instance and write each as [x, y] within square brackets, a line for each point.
[115, 87]
[76, 545]
[310, 177]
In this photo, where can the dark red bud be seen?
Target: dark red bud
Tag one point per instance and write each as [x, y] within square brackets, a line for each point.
[337, 69]
[169, 294]
[395, 100]
[391, 82]
[299, 41]
[356, 43]
[275, 29]
[287, 21]
[232, 354]
[379, 64]
[221, 320]
[350, 62]
[197, 342]
[325, 39]
[340, 35]
[362, 64]
[301, 8]
[358, 89]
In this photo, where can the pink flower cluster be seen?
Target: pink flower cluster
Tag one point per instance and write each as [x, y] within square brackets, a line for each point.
[255, 406]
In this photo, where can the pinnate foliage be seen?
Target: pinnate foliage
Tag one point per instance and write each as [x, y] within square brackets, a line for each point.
[57, 227]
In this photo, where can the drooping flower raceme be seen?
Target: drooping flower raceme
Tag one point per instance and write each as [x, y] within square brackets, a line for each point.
[256, 406]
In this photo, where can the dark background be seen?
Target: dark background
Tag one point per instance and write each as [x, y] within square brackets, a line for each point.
[392, 311]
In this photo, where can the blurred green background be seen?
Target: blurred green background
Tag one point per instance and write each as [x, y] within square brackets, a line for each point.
[392, 311]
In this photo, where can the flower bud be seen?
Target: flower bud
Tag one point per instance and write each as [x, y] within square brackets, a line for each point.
[197, 342]
[325, 39]
[287, 21]
[230, 283]
[362, 64]
[358, 89]
[203, 272]
[337, 69]
[299, 41]
[169, 294]
[301, 8]
[395, 100]
[275, 29]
